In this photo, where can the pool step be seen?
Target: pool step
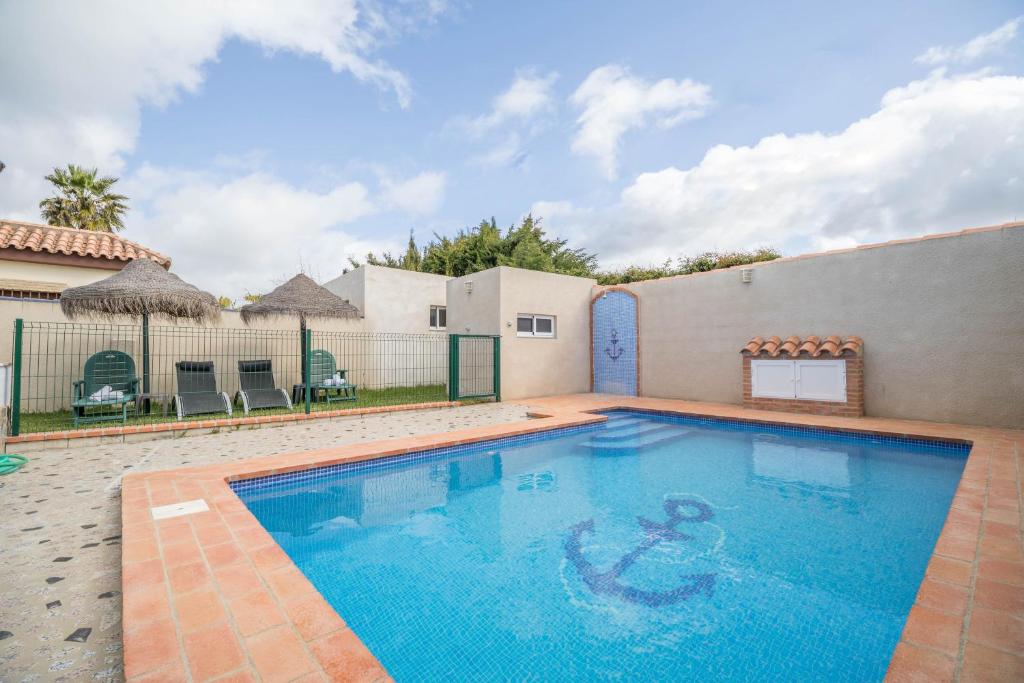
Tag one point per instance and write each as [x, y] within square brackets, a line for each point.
[631, 432]
[645, 438]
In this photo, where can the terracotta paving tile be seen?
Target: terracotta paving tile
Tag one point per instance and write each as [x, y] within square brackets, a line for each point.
[140, 549]
[186, 552]
[245, 675]
[934, 629]
[996, 629]
[1001, 596]
[1001, 530]
[145, 603]
[213, 651]
[313, 617]
[198, 609]
[279, 655]
[1002, 570]
[958, 547]
[222, 554]
[987, 665]
[913, 664]
[255, 612]
[237, 580]
[174, 531]
[289, 584]
[189, 577]
[173, 673]
[269, 557]
[1002, 516]
[145, 573]
[344, 657]
[150, 646]
[1002, 548]
[942, 596]
[950, 570]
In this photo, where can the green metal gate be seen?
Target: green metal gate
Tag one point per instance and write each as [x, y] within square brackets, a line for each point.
[474, 366]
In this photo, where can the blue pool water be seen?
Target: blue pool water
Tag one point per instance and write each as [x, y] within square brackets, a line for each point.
[650, 548]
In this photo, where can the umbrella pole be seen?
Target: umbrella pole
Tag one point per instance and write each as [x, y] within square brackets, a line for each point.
[145, 360]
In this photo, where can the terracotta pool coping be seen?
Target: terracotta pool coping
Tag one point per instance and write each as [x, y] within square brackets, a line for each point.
[211, 595]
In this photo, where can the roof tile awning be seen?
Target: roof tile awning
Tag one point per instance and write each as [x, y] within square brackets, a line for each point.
[812, 346]
[56, 240]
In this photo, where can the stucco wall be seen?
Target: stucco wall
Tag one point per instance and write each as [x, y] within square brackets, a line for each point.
[942, 321]
[69, 276]
[530, 366]
[391, 299]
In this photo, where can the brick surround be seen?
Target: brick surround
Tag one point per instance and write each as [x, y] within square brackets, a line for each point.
[852, 407]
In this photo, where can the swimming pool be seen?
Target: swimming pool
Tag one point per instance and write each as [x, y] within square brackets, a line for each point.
[652, 547]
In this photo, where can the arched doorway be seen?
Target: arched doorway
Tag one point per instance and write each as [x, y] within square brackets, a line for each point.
[614, 352]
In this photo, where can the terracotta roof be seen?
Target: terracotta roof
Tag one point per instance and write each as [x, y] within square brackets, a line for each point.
[54, 240]
[812, 346]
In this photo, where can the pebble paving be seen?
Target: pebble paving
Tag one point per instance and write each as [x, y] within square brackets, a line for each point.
[60, 558]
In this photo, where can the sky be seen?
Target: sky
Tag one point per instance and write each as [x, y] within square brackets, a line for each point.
[257, 138]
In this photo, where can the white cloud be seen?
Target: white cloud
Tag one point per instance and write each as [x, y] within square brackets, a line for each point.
[417, 196]
[237, 234]
[939, 154]
[614, 102]
[75, 75]
[516, 116]
[974, 49]
[507, 152]
[528, 96]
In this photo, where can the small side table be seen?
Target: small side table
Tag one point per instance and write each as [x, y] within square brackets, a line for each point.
[145, 398]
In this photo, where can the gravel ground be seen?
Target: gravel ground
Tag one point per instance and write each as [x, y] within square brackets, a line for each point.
[60, 607]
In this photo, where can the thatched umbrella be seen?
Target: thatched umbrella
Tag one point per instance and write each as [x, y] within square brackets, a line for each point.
[302, 298]
[143, 287]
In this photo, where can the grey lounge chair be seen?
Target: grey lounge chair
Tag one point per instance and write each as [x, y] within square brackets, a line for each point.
[256, 379]
[197, 389]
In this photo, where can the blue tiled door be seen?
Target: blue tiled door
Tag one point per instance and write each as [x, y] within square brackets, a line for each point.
[615, 343]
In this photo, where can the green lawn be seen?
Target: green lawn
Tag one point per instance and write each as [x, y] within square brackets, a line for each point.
[61, 420]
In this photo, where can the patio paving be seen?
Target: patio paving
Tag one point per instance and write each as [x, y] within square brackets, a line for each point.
[60, 609]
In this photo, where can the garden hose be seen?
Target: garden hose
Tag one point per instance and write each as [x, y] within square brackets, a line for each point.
[10, 462]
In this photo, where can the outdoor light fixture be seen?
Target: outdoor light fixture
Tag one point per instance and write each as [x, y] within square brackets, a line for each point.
[747, 275]
[469, 287]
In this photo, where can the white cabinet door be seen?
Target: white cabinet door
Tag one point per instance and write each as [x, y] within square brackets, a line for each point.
[772, 378]
[820, 380]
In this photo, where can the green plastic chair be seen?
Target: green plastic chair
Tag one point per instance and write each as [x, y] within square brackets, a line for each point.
[322, 368]
[114, 369]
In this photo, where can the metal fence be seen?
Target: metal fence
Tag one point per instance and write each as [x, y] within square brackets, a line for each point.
[69, 375]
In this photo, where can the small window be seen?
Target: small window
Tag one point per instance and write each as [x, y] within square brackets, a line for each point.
[535, 325]
[438, 317]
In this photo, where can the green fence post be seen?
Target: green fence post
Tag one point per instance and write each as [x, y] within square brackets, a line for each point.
[453, 367]
[307, 362]
[497, 368]
[19, 326]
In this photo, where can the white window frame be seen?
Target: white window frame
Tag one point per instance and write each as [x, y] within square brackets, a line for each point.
[437, 316]
[534, 317]
[792, 387]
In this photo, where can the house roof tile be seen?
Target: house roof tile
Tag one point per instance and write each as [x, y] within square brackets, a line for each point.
[56, 240]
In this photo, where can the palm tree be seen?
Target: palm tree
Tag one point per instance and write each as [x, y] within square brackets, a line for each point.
[84, 201]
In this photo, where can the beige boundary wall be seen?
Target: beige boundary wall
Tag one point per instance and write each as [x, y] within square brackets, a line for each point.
[942, 319]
